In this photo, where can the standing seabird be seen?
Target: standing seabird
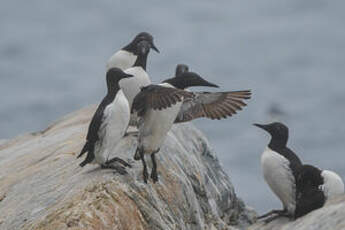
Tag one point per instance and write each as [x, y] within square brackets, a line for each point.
[280, 167]
[315, 187]
[127, 56]
[159, 106]
[108, 124]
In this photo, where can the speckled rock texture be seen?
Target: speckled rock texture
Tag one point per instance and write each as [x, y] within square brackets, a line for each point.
[43, 187]
[329, 217]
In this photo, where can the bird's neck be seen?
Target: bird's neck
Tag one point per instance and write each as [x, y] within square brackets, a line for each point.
[112, 90]
[177, 83]
[277, 143]
[130, 47]
[141, 61]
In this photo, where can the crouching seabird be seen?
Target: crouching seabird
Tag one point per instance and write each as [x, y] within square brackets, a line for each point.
[315, 187]
[108, 125]
[159, 106]
[127, 56]
[280, 167]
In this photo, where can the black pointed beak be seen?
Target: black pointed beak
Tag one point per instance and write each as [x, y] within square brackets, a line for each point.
[128, 75]
[207, 83]
[264, 127]
[154, 47]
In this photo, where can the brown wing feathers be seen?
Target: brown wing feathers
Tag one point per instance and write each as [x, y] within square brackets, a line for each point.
[226, 104]
[157, 98]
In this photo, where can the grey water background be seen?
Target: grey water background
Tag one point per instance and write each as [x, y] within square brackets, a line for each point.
[291, 53]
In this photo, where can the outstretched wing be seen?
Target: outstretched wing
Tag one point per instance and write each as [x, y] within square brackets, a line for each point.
[212, 105]
[157, 97]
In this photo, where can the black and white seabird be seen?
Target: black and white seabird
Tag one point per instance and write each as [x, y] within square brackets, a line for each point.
[108, 124]
[160, 106]
[315, 187]
[280, 167]
[127, 56]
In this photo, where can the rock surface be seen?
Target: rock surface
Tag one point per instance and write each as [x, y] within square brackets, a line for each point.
[331, 217]
[43, 187]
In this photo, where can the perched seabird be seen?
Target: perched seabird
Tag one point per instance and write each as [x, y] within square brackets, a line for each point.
[315, 187]
[108, 124]
[127, 56]
[159, 106]
[280, 167]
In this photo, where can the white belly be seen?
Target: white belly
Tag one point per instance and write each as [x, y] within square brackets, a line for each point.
[279, 177]
[121, 59]
[155, 127]
[113, 127]
[333, 184]
[131, 86]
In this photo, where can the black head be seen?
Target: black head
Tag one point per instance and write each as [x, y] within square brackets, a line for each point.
[309, 176]
[278, 131]
[181, 68]
[114, 75]
[143, 36]
[189, 79]
[142, 50]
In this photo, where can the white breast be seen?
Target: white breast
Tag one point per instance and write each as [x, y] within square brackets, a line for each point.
[121, 59]
[131, 86]
[333, 184]
[113, 127]
[156, 125]
[279, 177]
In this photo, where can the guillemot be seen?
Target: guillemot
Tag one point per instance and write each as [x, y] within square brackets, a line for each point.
[315, 187]
[127, 56]
[108, 125]
[280, 167]
[160, 106]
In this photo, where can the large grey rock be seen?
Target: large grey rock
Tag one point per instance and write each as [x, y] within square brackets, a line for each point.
[331, 216]
[43, 187]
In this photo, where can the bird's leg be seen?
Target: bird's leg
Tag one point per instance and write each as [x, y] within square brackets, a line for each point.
[117, 159]
[145, 174]
[274, 211]
[280, 214]
[154, 175]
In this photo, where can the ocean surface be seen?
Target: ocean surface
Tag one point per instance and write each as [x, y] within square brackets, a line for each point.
[291, 53]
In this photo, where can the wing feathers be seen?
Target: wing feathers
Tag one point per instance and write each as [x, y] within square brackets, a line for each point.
[217, 105]
[157, 98]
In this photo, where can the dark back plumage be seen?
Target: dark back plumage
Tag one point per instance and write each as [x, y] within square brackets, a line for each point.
[92, 134]
[308, 192]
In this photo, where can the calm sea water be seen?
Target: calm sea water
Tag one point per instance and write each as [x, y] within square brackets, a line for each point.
[291, 53]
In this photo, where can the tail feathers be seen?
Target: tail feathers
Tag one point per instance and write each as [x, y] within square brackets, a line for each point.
[89, 148]
[84, 150]
[89, 158]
